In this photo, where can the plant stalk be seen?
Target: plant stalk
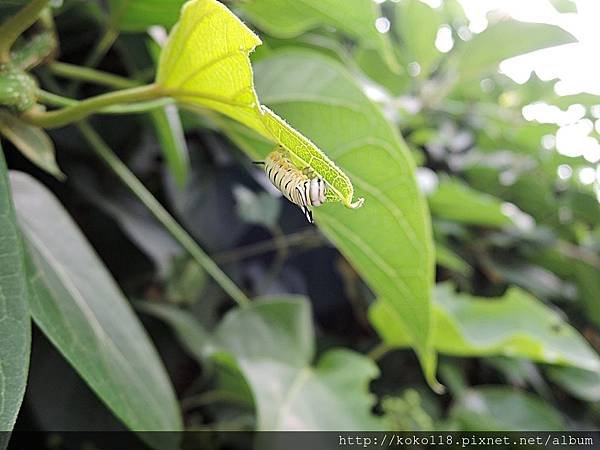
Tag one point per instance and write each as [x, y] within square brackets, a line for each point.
[91, 75]
[76, 112]
[49, 98]
[379, 351]
[12, 28]
[163, 216]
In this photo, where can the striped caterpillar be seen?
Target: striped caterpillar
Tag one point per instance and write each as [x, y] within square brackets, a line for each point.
[295, 184]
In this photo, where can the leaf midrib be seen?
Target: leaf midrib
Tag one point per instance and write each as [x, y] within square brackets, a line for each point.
[99, 331]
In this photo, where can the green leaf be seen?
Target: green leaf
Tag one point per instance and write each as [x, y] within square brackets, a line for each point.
[201, 345]
[138, 15]
[169, 129]
[276, 360]
[577, 265]
[540, 282]
[15, 326]
[444, 256]
[32, 141]
[371, 63]
[417, 24]
[200, 67]
[290, 18]
[273, 343]
[582, 384]
[406, 412]
[186, 281]
[389, 240]
[515, 325]
[501, 408]
[564, 6]
[81, 310]
[307, 154]
[456, 201]
[588, 288]
[194, 338]
[167, 124]
[483, 53]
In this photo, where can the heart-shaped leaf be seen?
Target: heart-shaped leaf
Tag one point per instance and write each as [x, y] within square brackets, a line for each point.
[205, 63]
[272, 343]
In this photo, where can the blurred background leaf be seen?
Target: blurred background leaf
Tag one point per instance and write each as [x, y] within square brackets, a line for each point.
[356, 18]
[138, 15]
[456, 201]
[499, 408]
[515, 325]
[417, 24]
[289, 392]
[482, 54]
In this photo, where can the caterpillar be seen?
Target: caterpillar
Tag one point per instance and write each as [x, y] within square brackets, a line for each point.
[295, 184]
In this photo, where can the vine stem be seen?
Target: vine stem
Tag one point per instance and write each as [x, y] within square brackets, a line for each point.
[49, 98]
[90, 75]
[76, 112]
[12, 28]
[308, 238]
[161, 214]
[379, 351]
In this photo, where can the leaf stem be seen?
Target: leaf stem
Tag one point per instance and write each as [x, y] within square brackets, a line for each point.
[379, 351]
[76, 112]
[104, 44]
[186, 241]
[50, 98]
[308, 238]
[12, 28]
[91, 75]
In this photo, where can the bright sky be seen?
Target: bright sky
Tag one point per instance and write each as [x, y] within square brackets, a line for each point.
[576, 66]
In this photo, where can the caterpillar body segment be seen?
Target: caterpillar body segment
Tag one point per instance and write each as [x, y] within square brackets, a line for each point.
[295, 184]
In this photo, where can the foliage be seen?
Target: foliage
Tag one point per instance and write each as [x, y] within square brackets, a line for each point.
[274, 324]
[290, 393]
[15, 328]
[108, 347]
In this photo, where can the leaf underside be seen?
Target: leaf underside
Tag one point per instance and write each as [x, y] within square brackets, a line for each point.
[201, 68]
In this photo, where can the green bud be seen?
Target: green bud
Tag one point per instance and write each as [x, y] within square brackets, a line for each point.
[17, 88]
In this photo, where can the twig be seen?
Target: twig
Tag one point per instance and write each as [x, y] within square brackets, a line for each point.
[161, 214]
